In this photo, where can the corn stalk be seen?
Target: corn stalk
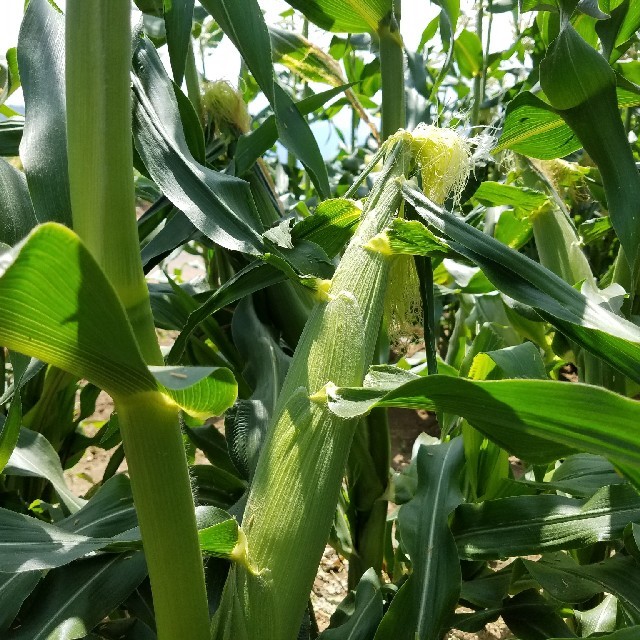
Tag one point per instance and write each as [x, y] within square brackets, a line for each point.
[98, 59]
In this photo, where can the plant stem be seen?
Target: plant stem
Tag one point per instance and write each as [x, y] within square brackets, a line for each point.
[164, 505]
[98, 48]
[478, 86]
[392, 74]
[98, 58]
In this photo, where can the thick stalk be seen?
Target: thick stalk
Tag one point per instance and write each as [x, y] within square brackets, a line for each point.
[478, 85]
[295, 488]
[392, 75]
[164, 506]
[98, 57]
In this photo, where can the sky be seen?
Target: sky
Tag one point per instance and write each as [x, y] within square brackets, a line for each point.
[224, 61]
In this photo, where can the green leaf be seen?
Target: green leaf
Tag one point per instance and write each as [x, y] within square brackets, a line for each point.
[178, 19]
[357, 616]
[533, 128]
[493, 194]
[597, 329]
[526, 525]
[538, 420]
[29, 544]
[410, 237]
[582, 475]
[254, 277]
[17, 217]
[65, 611]
[533, 617]
[252, 145]
[616, 34]
[9, 75]
[304, 58]
[520, 361]
[244, 24]
[572, 72]
[580, 83]
[425, 602]
[330, 226]
[468, 53]
[34, 457]
[246, 424]
[218, 205]
[43, 149]
[10, 430]
[352, 16]
[201, 392]
[568, 581]
[64, 324]
[57, 305]
[110, 511]
[14, 589]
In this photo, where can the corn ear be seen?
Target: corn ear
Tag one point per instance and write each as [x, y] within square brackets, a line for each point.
[295, 489]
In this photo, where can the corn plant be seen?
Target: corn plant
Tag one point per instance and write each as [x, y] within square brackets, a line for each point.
[496, 234]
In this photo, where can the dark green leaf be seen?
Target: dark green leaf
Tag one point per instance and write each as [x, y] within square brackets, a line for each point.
[43, 149]
[178, 19]
[218, 205]
[17, 217]
[428, 598]
[526, 525]
[247, 422]
[537, 420]
[600, 331]
[358, 616]
[34, 457]
[65, 611]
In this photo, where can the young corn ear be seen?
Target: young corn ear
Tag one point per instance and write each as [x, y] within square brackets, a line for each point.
[444, 161]
[293, 496]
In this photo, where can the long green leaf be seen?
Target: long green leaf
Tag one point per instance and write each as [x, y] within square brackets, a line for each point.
[43, 149]
[537, 420]
[526, 525]
[352, 16]
[560, 575]
[68, 611]
[14, 590]
[218, 205]
[426, 601]
[34, 457]
[57, 305]
[178, 19]
[29, 544]
[600, 331]
[252, 145]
